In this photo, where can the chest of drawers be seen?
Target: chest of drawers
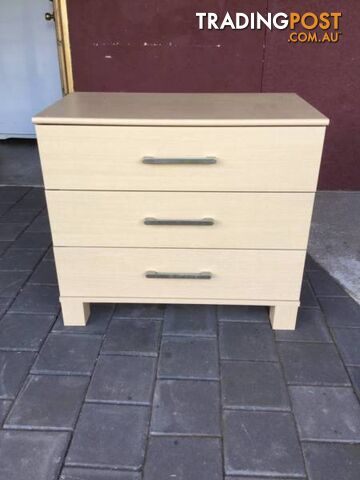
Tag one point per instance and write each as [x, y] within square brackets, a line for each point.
[180, 198]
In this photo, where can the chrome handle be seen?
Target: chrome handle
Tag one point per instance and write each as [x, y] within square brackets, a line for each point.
[180, 161]
[204, 222]
[181, 276]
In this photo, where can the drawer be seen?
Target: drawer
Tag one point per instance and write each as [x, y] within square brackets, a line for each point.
[221, 274]
[150, 219]
[216, 158]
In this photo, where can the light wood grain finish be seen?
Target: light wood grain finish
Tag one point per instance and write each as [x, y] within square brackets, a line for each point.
[243, 274]
[241, 109]
[241, 220]
[248, 159]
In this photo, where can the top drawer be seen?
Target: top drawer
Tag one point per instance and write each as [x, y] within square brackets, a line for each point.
[226, 158]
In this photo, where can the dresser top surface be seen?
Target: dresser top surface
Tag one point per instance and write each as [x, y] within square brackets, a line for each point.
[198, 109]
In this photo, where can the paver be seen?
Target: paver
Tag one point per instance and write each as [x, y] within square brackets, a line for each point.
[132, 336]
[109, 436]
[4, 408]
[11, 282]
[20, 331]
[20, 259]
[312, 364]
[310, 327]
[32, 455]
[332, 461]
[48, 402]
[189, 357]
[190, 320]
[12, 194]
[42, 241]
[68, 354]
[14, 367]
[183, 458]
[348, 341]
[354, 373]
[138, 310]
[122, 379]
[186, 407]
[324, 285]
[242, 313]
[44, 274]
[341, 312]
[73, 473]
[246, 341]
[261, 444]
[326, 413]
[254, 385]
[10, 231]
[37, 299]
[307, 297]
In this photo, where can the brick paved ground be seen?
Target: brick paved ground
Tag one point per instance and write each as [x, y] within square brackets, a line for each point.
[176, 392]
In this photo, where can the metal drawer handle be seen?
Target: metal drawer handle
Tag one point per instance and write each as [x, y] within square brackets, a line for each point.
[203, 222]
[180, 161]
[182, 276]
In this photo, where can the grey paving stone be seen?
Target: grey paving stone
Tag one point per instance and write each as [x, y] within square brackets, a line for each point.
[12, 194]
[312, 364]
[19, 331]
[10, 231]
[310, 327]
[20, 215]
[325, 461]
[326, 413]
[14, 367]
[73, 473]
[245, 341]
[183, 458]
[37, 299]
[354, 373]
[31, 455]
[110, 436]
[262, 444]
[310, 264]
[48, 402]
[348, 341]
[11, 282]
[4, 207]
[324, 285]
[4, 304]
[122, 379]
[341, 312]
[242, 313]
[4, 408]
[189, 357]
[40, 224]
[49, 257]
[97, 323]
[190, 320]
[45, 274]
[254, 385]
[42, 241]
[139, 310]
[132, 337]
[68, 354]
[4, 246]
[35, 198]
[307, 296]
[186, 407]
[261, 478]
[20, 259]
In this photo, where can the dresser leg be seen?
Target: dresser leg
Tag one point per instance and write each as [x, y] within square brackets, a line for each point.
[74, 311]
[283, 316]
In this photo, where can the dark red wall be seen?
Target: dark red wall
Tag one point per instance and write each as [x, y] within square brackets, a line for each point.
[155, 45]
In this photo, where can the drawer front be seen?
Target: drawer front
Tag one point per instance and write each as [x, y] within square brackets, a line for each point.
[180, 158]
[212, 274]
[178, 219]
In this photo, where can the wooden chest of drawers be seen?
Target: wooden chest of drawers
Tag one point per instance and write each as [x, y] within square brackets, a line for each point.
[180, 198]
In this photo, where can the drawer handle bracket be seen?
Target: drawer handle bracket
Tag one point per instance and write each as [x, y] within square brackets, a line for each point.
[180, 161]
[203, 222]
[181, 276]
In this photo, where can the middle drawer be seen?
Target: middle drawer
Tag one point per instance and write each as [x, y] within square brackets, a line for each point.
[180, 219]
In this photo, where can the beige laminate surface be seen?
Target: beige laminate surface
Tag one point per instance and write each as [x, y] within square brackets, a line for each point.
[247, 159]
[241, 109]
[241, 220]
[120, 272]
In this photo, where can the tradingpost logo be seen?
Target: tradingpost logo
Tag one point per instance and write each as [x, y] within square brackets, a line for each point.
[308, 27]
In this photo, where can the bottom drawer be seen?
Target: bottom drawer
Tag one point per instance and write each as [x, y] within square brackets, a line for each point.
[204, 274]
